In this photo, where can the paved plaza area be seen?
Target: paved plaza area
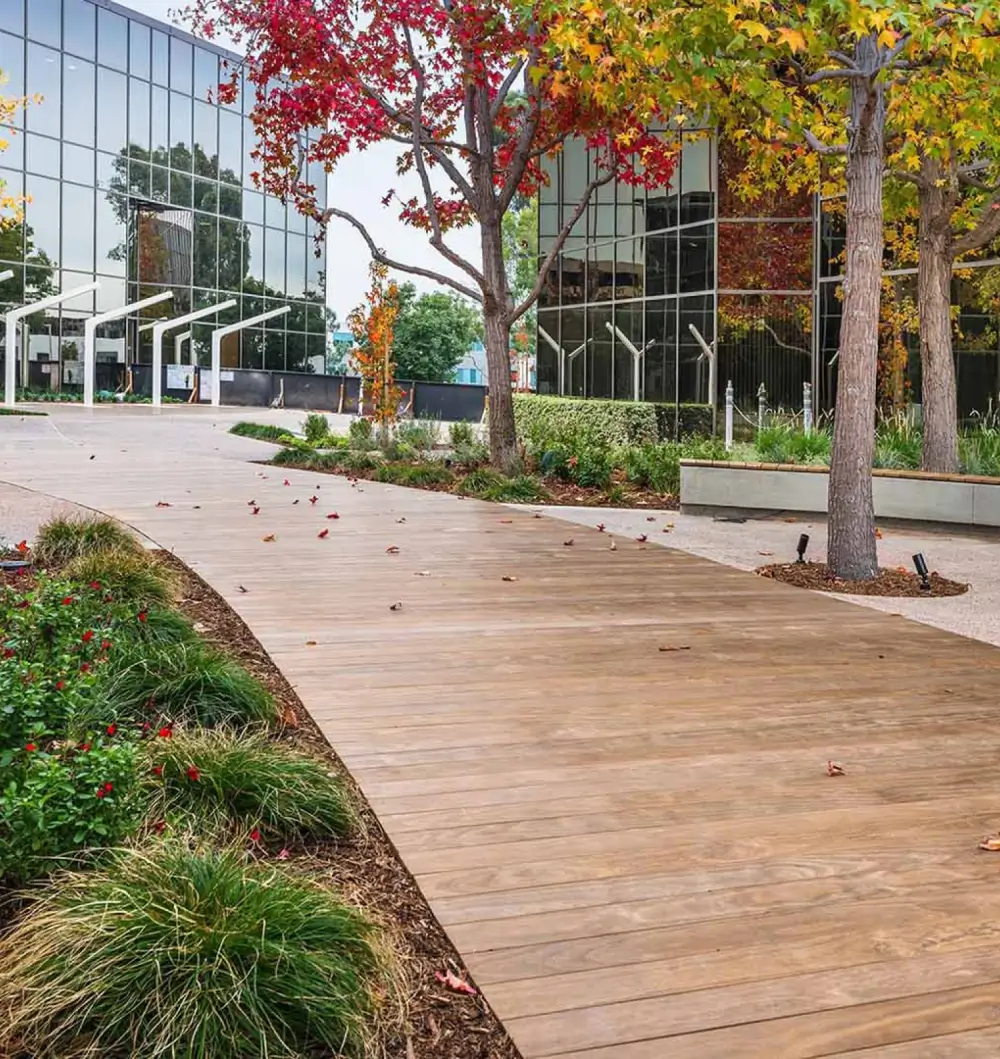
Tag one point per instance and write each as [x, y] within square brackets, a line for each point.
[607, 769]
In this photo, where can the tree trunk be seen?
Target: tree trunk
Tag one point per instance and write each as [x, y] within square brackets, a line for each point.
[851, 552]
[937, 255]
[504, 454]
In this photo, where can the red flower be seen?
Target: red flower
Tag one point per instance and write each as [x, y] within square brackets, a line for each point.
[30, 747]
[67, 601]
[101, 792]
[60, 684]
[8, 652]
[111, 729]
[193, 774]
[157, 770]
[87, 636]
[146, 726]
[164, 733]
[255, 835]
[159, 826]
[85, 667]
[95, 585]
[141, 615]
[105, 644]
[85, 747]
[109, 786]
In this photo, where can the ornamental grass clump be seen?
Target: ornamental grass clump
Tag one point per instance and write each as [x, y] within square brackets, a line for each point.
[186, 683]
[125, 575]
[169, 952]
[242, 782]
[62, 539]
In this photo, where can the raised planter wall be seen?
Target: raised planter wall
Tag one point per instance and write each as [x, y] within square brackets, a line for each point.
[715, 487]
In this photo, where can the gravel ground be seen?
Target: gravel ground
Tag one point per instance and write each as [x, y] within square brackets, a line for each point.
[974, 559]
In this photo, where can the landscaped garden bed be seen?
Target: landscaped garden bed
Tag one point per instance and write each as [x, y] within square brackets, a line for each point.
[189, 869]
[890, 581]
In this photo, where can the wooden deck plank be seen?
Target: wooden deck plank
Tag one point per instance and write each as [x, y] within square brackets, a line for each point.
[638, 852]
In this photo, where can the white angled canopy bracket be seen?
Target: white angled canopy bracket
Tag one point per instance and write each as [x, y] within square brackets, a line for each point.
[220, 333]
[89, 338]
[637, 355]
[11, 320]
[178, 343]
[160, 329]
[6, 275]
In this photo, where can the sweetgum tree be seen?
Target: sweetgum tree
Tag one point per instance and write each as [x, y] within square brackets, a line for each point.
[462, 89]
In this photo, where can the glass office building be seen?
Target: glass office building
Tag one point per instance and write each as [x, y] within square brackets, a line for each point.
[137, 179]
[660, 272]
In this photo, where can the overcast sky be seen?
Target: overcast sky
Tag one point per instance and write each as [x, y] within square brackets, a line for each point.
[358, 185]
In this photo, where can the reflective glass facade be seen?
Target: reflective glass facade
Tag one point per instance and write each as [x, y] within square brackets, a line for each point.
[137, 180]
[652, 271]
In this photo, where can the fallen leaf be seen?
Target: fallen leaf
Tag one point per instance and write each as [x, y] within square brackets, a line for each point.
[642, 538]
[287, 482]
[269, 538]
[506, 521]
[294, 502]
[669, 525]
[310, 643]
[568, 544]
[162, 503]
[679, 647]
[666, 529]
[765, 553]
[313, 499]
[422, 573]
[392, 550]
[399, 520]
[396, 606]
[600, 527]
[833, 769]
[878, 534]
[323, 533]
[22, 547]
[991, 843]
[791, 520]
[242, 589]
[289, 718]
[282, 854]
[453, 982]
[333, 514]
[508, 577]
[650, 518]
[197, 507]
[91, 457]
[251, 503]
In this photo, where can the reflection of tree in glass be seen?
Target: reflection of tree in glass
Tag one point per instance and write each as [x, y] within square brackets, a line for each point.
[41, 267]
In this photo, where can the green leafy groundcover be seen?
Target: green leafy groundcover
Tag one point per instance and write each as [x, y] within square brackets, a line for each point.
[139, 826]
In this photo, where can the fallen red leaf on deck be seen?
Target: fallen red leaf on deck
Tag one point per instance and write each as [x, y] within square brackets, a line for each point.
[833, 769]
[333, 514]
[162, 503]
[323, 533]
[453, 982]
[642, 538]
[269, 538]
[392, 550]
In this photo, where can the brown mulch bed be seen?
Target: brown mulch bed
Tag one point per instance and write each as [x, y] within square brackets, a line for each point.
[439, 1023]
[891, 581]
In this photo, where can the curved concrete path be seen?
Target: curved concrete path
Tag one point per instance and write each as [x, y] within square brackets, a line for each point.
[608, 773]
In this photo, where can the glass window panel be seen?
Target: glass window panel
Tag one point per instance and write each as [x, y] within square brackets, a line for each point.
[206, 139]
[661, 263]
[111, 295]
[139, 177]
[575, 170]
[296, 352]
[600, 272]
[628, 323]
[274, 212]
[161, 58]
[765, 255]
[12, 16]
[295, 219]
[253, 263]
[44, 21]
[78, 164]
[230, 201]
[697, 258]
[253, 305]
[252, 348]
[697, 179]
[78, 227]
[164, 245]
[315, 319]
[274, 350]
[180, 131]
[602, 222]
[274, 271]
[12, 236]
[41, 216]
[159, 139]
[112, 110]
[112, 39]
[573, 271]
[42, 155]
[295, 283]
[776, 203]
[692, 371]
[599, 351]
[180, 189]
[44, 79]
[548, 219]
[110, 232]
[232, 236]
[138, 114]
[159, 188]
[13, 155]
[138, 50]
[253, 207]
[79, 33]
[206, 196]
[572, 338]
[180, 65]
[659, 361]
[108, 170]
[549, 192]
[79, 102]
[250, 164]
[230, 147]
[315, 275]
[833, 239]
[12, 64]
[206, 249]
[206, 74]
[549, 295]
[629, 268]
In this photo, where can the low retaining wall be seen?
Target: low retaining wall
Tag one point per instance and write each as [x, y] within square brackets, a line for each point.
[716, 486]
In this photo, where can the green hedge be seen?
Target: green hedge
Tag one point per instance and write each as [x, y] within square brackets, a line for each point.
[542, 419]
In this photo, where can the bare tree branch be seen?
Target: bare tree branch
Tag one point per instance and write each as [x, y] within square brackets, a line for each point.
[823, 148]
[907, 176]
[504, 91]
[986, 230]
[519, 310]
[521, 154]
[834, 73]
[323, 217]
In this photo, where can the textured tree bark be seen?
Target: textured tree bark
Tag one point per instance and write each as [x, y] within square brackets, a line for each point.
[937, 363]
[504, 454]
[851, 552]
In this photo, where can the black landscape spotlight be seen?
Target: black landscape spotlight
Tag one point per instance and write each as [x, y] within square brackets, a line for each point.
[920, 565]
[801, 547]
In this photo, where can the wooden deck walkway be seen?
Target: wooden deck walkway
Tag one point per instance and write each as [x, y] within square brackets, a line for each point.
[638, 851]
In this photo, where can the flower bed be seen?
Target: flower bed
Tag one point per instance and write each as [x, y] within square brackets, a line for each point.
[188, 833]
